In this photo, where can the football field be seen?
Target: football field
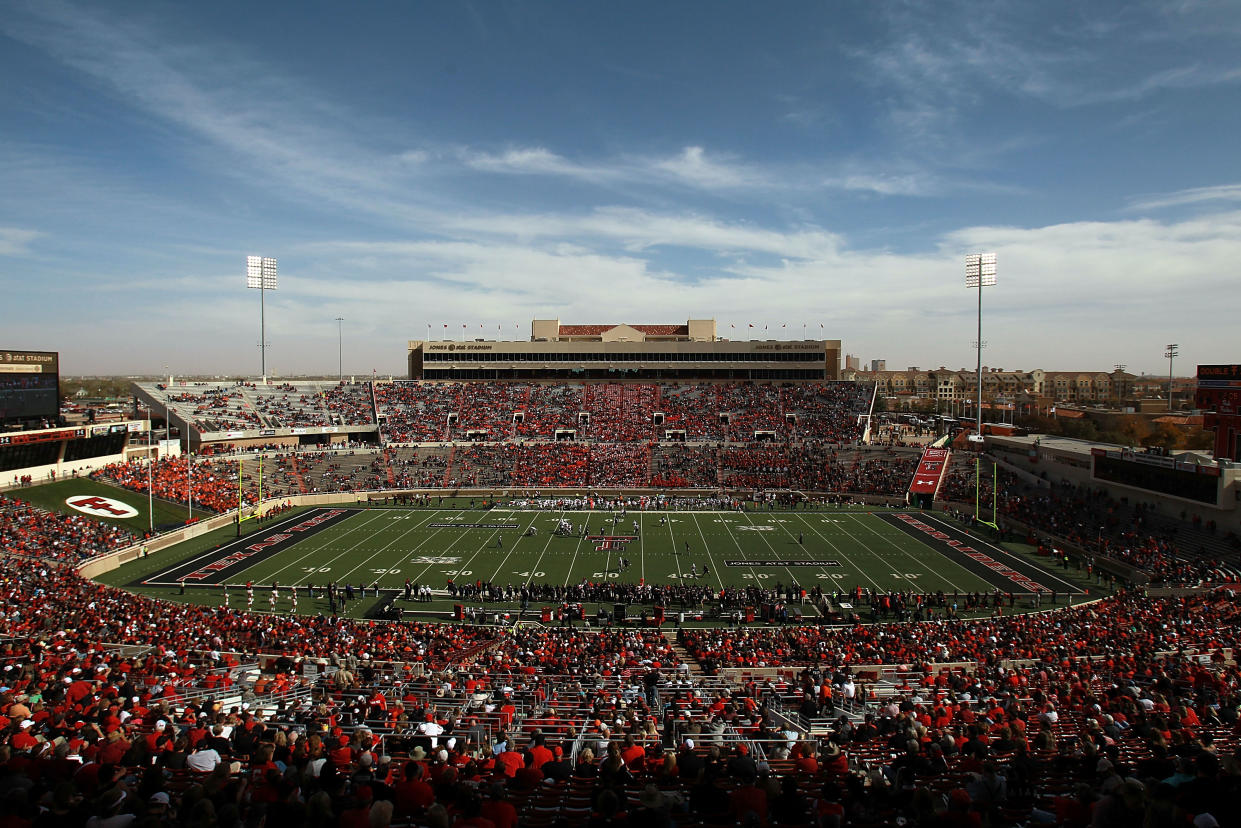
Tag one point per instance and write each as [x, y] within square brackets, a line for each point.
[837, 550]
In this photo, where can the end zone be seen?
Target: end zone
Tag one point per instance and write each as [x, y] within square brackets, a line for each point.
[214, 567]
[998, 567]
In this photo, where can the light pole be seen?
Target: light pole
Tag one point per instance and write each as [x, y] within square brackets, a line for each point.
[1170, 354]
[340, 352]
[189, 475]
[150, 463]
[167, 400]
[980, 270]
[261, 274]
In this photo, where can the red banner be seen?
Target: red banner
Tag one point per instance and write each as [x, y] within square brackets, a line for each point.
[930, 470]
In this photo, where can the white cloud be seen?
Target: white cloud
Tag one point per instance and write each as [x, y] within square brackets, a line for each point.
[1082, 294]
[530, 161]
[640, 229]
[15, 241]
[696, 169]
[1194, 195]
[693, 167]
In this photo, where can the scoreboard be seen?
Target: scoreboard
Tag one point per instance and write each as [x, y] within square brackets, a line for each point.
[29, 385]
[1219, 389]
[1219, 396]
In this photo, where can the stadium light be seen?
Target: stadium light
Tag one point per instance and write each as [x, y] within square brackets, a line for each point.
[340, 358]
[980, 270]
[167, 402]
[1170, 353]
[261, 274]
[979, 273]
[150, 463]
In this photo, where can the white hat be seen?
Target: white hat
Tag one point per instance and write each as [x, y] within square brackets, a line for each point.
[27, 723]
[161, 724]
[689, 743]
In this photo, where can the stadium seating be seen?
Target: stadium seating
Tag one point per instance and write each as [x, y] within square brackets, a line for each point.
[110, 701]
[414, 412]
[540, 724]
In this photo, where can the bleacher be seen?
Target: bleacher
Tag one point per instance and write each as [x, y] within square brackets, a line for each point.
[218, 411]
[633, 412]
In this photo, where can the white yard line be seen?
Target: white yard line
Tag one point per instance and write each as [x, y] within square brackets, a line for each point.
[385, 548]
[427, 568]
[318, 550]
[548, 543]
[774, 553]
[511, 549]
[918, 563]
[843, 556]
[707, 547]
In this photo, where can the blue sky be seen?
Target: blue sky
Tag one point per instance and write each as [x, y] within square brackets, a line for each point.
[415, 164]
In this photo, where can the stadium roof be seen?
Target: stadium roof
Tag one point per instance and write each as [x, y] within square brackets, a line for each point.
[649, 330]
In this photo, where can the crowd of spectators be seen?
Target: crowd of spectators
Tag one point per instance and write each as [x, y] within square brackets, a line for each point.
[1130, 624]
[415, 412]
[1120, 711]
[38, 533]
[1098, 524]
[214, 482]
[209, 407]
[285, 405]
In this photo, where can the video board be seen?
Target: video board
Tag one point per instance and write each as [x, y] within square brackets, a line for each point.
[29, 385]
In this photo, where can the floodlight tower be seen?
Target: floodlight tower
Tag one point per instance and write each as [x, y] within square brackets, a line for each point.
[340, 349]
[980, 272]
[261, 274]
[1170, 353]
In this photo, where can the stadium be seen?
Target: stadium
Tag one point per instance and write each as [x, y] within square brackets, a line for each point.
[807, 415]
[503, 580]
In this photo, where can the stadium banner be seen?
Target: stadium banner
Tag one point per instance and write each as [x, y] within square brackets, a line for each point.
[779, 562]
[473, 526]
[29, 362]
[930, 470]
[41, 436]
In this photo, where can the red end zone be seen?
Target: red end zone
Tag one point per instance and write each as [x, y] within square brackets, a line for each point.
[214, 566]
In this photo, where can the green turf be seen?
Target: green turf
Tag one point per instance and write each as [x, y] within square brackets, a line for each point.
[390, 545]
[52, 496]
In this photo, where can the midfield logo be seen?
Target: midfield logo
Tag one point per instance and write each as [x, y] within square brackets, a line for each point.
[604, 543]
[102, 506]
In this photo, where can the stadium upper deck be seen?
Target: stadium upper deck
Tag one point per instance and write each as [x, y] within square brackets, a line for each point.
[625, 353]
[217, 411]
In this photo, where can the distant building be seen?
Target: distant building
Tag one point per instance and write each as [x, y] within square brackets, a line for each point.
[852, 363]
[962, 384]
[878, 365]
